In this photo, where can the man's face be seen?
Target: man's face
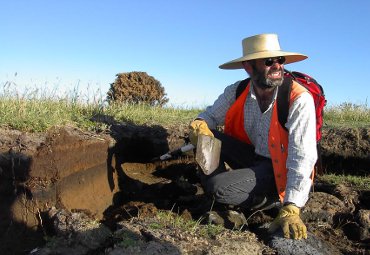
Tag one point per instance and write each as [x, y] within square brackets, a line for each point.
[268, 72]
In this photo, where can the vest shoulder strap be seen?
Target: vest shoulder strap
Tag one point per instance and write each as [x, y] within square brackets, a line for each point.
[241, 87]
[283, 98]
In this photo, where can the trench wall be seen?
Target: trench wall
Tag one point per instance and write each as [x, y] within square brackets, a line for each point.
[67, 170]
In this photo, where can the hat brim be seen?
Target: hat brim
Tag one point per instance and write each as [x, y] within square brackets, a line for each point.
[290, 57]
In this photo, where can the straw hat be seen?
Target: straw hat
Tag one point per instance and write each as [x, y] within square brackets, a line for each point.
[262, 46]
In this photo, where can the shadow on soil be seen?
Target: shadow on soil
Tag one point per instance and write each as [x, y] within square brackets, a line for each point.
[13, 227]
[143, 178]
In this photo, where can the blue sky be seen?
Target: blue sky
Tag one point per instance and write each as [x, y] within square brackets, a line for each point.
[70, 43]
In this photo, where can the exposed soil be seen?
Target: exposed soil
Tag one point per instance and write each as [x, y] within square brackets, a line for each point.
[338, 216]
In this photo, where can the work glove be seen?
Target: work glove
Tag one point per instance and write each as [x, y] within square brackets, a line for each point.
[288, 219]
[198, 127]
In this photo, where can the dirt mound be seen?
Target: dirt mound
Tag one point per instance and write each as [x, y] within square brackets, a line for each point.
[118, 179]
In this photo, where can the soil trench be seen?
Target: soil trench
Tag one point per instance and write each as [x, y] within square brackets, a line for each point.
[119, 176]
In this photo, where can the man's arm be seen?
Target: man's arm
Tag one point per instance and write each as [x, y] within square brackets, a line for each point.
[302, 150]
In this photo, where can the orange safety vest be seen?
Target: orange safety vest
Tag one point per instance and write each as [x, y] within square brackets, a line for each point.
[278, 136]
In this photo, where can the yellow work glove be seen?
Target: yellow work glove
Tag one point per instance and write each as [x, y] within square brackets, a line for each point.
[288, 219]
[198, 127]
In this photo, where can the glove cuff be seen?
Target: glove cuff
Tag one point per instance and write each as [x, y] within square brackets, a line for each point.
[289, 203]
[289, 210]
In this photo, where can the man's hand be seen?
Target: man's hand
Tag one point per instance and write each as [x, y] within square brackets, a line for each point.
[288, 219]
[198, 127]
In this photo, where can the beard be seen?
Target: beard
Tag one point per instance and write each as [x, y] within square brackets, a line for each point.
[262, 78]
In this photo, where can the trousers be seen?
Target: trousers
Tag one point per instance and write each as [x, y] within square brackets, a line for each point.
[250, 179]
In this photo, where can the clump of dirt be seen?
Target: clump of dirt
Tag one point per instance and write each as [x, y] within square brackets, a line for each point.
[337, 216]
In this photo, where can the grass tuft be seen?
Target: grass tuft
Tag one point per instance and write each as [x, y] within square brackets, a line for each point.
[170, 219]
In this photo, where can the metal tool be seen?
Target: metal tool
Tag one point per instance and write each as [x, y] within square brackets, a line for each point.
[207, 153]
[177, 152]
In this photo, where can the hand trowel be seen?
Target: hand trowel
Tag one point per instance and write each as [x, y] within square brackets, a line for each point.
[207, 153]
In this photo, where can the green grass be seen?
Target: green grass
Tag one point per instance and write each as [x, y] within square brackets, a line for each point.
[144, 114]
[37, 111]
[347, 115]
[358, 182]
[170, 219]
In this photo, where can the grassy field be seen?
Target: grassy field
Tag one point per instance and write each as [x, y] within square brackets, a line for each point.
[37, 111]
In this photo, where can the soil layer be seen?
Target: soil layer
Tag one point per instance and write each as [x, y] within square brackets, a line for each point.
[118, 177]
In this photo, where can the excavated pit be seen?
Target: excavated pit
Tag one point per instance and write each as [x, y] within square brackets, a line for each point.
[119, 176]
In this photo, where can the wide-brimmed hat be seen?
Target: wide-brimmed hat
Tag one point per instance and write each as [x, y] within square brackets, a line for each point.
[262, 46]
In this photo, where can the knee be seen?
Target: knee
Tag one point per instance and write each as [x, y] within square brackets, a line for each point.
[228, 191]
[219, 191]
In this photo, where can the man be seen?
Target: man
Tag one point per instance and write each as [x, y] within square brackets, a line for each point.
[283, 157]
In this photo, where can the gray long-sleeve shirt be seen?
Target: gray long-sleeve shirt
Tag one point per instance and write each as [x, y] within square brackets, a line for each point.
[301, 124]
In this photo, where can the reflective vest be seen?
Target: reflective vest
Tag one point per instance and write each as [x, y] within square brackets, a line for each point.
[278, 136]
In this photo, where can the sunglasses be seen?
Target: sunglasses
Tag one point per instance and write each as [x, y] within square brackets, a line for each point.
[271, 61]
